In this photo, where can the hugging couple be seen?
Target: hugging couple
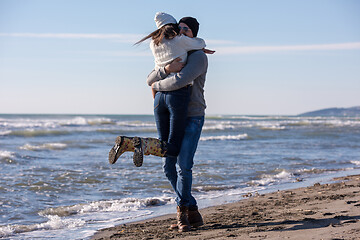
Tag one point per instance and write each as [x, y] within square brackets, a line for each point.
[177, 84]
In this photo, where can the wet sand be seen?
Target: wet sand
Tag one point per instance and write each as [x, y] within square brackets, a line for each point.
[322, 211]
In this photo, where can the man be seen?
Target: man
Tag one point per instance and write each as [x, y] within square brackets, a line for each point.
[194, 72]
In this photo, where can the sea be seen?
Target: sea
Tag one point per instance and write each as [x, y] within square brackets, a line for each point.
[56, 182]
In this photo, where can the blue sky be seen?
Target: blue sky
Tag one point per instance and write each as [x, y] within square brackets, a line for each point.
[273, 57]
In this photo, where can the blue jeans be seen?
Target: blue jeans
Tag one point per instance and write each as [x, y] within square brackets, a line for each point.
[181, 180]
[170, 110]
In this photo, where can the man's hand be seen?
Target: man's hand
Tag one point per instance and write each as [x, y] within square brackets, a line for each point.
[208, 51]
[153, 91]
[175, 66]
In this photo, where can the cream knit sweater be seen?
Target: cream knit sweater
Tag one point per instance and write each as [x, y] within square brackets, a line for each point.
[168, 50]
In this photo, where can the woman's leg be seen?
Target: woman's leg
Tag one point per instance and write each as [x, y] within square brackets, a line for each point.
[177, 103]
[154, 146]
[141, 146]
[170, 110]
[162, 116]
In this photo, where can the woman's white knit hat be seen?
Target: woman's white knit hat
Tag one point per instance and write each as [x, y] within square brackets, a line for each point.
[161, 19]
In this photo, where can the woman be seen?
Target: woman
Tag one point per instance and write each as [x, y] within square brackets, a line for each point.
[170, 108]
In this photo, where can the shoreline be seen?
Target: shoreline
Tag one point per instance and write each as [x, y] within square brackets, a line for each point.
[320, 211]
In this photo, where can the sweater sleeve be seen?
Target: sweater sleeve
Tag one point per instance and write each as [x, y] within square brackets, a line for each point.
[196, 65]
[156, 74]
[191, 43]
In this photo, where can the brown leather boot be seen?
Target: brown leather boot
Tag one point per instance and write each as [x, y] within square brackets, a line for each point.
[194, 217]
[183, 224]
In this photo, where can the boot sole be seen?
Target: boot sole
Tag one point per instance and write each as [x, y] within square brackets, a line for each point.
[113, 154]
[138, 157]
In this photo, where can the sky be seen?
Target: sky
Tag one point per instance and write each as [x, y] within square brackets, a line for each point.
[277, 57]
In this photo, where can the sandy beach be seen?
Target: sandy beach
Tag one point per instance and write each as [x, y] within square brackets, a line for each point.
[321, 211]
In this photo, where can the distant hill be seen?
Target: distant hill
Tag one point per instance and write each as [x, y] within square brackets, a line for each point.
[336, 112]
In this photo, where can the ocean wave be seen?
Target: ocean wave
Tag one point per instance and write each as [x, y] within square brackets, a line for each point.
[77, 121]
[277, 123]
[27, 123]
[136, 124]
[300, 172]
[101, 121]
[272, 127]
[53, 122]
[40, 132]
[4, 133]
[324, 122]
[297, 123]
[54, 222]
[120, 205]
[209, 188]
[81, 121]
[234, 125]
[226, 137]
[355, 162]
[45, 146]
[65, 217]
[6, 155]
[245, 117]
[269, 179]
[212, 126]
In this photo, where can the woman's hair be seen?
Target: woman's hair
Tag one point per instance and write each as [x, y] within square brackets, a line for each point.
[169, 31]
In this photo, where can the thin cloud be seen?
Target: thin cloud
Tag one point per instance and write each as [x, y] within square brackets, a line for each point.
[127, 38]
[220, 42]
[131, 38]
[235, 50]
[124, 53]
[222, 46]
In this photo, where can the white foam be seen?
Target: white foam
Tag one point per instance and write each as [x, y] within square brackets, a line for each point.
[225, 137]
[100, 121]
[355, 162]
[81, 121]
[6, 154]
[119, 205]
[45, 146]
[74, 121]
[278, 122]
[4, 133]
[272, 127]
[6, 231]
[70, 217]
[219, 126]
[28, 123]
[310, 171]
[54, 222]
[268, 179]
[136, 124]
[324, 121]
